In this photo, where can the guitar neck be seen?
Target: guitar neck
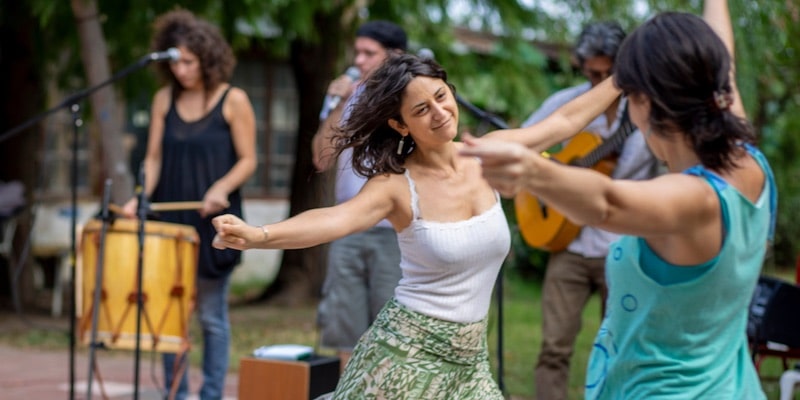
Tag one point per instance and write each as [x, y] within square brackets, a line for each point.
[613, 144]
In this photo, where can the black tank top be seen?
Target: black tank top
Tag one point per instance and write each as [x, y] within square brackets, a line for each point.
[194, 156]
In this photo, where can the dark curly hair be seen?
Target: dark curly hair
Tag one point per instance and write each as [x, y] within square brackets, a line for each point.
[681, 65]
[182, 28]
[367, 129]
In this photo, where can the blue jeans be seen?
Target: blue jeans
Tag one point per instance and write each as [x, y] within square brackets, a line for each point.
[212, 311]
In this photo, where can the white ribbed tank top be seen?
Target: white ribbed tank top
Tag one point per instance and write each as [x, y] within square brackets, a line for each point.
[449, 268]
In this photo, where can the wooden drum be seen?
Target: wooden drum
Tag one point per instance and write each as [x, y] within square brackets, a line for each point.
[168, 284]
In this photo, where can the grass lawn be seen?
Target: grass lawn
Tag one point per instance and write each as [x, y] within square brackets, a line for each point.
[522, 338]
[255, 325]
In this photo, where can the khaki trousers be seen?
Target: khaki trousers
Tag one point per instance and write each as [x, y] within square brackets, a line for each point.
[569, 281]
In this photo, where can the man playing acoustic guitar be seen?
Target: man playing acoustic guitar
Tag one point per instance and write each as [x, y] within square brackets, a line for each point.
[575, 268]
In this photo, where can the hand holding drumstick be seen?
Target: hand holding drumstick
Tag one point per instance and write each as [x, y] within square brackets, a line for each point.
[214, 201]
[129, 209]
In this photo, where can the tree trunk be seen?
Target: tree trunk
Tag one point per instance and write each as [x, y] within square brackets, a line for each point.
[302, 272]
[107, 115]
[22, 99]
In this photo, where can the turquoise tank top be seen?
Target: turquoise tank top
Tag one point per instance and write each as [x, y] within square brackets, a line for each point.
[685, 339]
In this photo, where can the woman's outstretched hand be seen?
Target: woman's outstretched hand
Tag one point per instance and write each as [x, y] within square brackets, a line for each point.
[233, 233]
[506, 166]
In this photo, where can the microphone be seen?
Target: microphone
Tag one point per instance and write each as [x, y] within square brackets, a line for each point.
[331, 102]
[171, 54]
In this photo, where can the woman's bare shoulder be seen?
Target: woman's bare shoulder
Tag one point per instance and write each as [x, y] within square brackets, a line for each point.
[237, 95]
[162, 99]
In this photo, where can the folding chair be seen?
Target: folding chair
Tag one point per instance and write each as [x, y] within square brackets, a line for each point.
[773, 326]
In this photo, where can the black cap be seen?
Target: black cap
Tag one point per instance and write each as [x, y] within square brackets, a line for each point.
[388, 34]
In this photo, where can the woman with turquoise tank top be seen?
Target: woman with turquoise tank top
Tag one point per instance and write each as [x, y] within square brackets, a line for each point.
[429, 340]
[200, 147]
[681, 280]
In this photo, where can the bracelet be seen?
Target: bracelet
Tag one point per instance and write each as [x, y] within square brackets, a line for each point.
[266, 232]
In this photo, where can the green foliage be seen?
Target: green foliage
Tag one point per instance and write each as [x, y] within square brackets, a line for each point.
[509, 79]
[768, 62]
[782, 145]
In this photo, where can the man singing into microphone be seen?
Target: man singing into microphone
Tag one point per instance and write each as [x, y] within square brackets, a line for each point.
[364, 268]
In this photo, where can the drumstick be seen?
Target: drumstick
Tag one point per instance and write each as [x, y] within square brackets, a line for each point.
[176, 205]
[164, 206]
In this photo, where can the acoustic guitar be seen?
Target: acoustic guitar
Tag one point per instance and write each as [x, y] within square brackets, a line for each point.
[545, 228]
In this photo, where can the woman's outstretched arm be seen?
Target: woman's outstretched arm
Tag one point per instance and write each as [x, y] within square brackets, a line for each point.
[565, 122]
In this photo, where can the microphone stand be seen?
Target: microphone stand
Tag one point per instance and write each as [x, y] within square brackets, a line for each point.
[72, 102]
[497, 123]
[482, 115]
[73, 99]
[98, 286]
[141, 213]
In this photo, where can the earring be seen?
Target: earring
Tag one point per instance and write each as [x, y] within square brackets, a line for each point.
[400, 145]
